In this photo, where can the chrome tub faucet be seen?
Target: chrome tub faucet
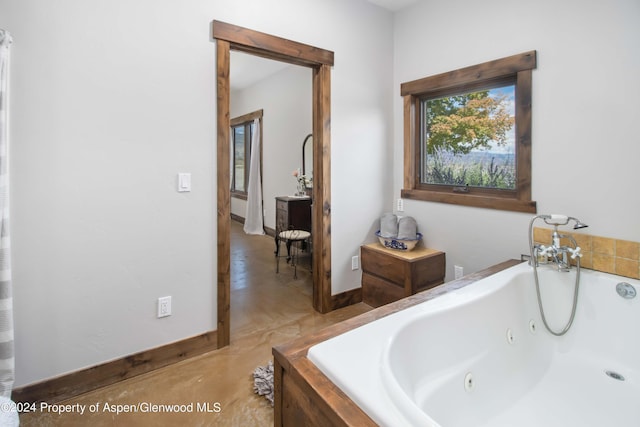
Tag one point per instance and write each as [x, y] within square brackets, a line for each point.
[557, 253]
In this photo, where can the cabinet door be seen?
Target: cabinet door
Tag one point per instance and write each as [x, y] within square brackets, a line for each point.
[300, 214]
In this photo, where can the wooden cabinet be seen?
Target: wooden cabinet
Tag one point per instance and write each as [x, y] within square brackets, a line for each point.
[293, 213]
[389, 275]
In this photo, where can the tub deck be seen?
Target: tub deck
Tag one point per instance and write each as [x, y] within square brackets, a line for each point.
[305, 396]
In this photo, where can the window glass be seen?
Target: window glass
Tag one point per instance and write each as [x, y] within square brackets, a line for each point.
[239, 158]
[468, 139]
[242, 130]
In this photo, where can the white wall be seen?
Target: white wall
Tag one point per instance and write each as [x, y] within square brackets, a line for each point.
[110, 100]
[585, 148]
[286, 100]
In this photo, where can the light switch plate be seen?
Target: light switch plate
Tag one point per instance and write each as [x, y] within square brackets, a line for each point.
[184, 182]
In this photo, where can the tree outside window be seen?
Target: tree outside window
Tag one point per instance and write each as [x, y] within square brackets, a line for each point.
[469, 139]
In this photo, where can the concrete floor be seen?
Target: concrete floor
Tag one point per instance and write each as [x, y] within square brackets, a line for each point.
[216, 388]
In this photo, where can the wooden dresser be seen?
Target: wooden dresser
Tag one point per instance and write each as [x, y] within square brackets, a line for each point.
[293, 213]
[389, 275]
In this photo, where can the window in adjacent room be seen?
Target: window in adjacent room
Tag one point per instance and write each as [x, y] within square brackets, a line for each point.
[242, 129]
[468, 136]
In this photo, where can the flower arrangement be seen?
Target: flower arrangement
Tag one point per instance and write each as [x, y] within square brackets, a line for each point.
[304, 181]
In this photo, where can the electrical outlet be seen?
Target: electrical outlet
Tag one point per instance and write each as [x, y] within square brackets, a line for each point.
[400, 205]
[355, 262]
[458, 271]
[164, 307]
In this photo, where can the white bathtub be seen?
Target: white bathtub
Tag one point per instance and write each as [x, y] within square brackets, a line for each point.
[480, 356]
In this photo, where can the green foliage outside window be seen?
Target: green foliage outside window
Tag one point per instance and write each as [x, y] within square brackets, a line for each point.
[469, 139]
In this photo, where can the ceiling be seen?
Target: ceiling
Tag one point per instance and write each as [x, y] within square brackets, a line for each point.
[393, 5]
[247, 70]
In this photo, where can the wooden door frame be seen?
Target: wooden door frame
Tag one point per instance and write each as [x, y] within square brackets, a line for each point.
[231, 37]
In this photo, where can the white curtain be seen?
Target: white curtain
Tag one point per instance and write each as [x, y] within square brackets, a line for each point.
[253, 221]
[6, 300]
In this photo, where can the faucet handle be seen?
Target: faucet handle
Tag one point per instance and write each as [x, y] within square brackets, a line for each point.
[577, 252]
[546, 250]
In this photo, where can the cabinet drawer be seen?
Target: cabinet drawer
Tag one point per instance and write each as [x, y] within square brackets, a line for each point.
[282, 205]
[377, 291]
[382, 265]
[281, 220]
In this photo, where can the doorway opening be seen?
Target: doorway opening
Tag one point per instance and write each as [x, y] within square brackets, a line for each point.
[230, 37]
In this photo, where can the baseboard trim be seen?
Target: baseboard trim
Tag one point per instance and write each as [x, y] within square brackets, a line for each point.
[69, 385]
[267, 230]
[347, 298]
[237, 218]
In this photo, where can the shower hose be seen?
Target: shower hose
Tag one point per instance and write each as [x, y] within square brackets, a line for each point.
[534, 263]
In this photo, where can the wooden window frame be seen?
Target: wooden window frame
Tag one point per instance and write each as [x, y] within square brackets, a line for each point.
[247, 121]
[517, 68]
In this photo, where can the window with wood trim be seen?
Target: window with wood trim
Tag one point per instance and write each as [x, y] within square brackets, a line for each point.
[242, 129]
[468, 135]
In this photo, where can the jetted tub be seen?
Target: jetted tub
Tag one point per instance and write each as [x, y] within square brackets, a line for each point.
[481, 356]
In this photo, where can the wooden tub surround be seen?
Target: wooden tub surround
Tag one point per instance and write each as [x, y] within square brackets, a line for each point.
[305, 396]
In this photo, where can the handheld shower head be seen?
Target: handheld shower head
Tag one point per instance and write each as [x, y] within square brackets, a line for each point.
[556, 220]
[579, 225]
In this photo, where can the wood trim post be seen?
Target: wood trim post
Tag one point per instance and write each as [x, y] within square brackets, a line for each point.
[321, 216]
[224, 193]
